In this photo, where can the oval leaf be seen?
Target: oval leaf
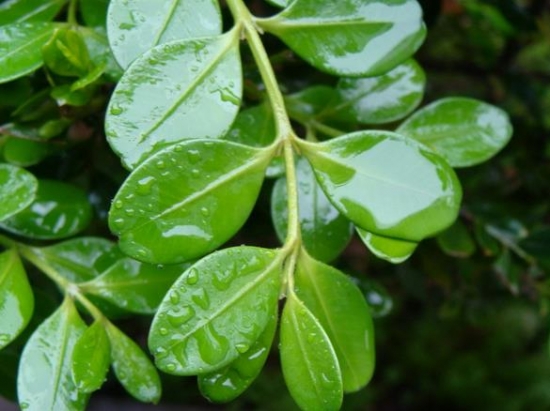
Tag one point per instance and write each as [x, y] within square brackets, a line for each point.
[12, 11]
[94, 12]
[308, 104]
[135, 26]
[17, 190]
[16, 297]
[464, 131]
[350, 37]
[386, 184]
[457, 241]
[309, 362]
[202, 177]
[216, 310]
[186, 89]
[390, 249]
[254, 127]
[24, 153]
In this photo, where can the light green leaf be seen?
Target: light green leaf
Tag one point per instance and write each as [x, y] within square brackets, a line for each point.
[350, 37]
[336, 302]
[216, 310]
[133, 368]
[24, 153]
[202, 177]
[386, 184]
[94, 12]
[457, 241]
[66, 54]
[325, 232]
[100, 52]
[12, 11]
[390, 249]
[464, 131]
[16, 297]
[309, 362]
[136, 26]
[45, 379]
[186, 89]
[228, 383]
[254, 127]
[91, 358]
[17, 190]
[21, 48]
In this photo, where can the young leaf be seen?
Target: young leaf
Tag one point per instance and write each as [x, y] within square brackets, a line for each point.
[100, 52]
[336, 302]
[228, 383]
[133, 368]
[390, 249]
[66, 53]
[254, 127]
[464, 131]
[202, 177]
[13, 11]
[16, 298]
[325, 232]
[91, 358]
[136, 26]
[45, 381]
[457, 241]
[350, 37]
[309, 362]
[17, 190]
[386, 184]
[185, 89]
[216, 310]
[20, 48]
[94, 12]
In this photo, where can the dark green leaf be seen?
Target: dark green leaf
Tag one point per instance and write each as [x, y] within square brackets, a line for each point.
[216, 310]
[136, 26]
[24, 153]
[100, 52]
[12, 11]
[309, 362]
[253, 127]
[280, 3]
[350, 37]
[390, 249]
[457, 241]
[16, 298]
[309, 103]
[65, 95]
[464, 131]
[377, 296]
[17, 190]
[386, 184]
[94, 12]
[202, 177]
[9, 362]
[537, 244]
[66, 53]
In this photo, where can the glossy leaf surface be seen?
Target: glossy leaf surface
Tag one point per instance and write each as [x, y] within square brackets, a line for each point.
[16, 297]
[325, 232]
[45, 380]
[311, 102]
[203, 177]
[133, 368]
[216, 310]
[457, 241]
[254, 127]
[464, 131]
[12, 11]
[228, 383]
[350, 37]
[279, 3]
[59, 210]
[185, 89]
[336, 302]
[386, 184]
[24, 153]
[17, 190]
[390, 249]
[94, 12]
[309, 362]
[20, 48]
[100, 52]
[91, 358]
[136, 26]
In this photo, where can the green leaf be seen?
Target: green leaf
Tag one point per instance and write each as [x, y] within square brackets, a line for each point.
[390, 249]
[336, 302]
[91, 358]
[254, 127]
[24, 153]
[456, 241]
[136, 26]
[16, 297]
[100, 52]
[350, 37]
[309, 362]
[66, 53]
[133, 368]
[94, 12]
[216, 310]
[12, 11]
[59, 210]
[386, 184]
[464, 131]
[21, 48]
[537, 244]
[45, 379]
[279, 3]
[309, 103]
[325, 232]
[202, 177]
[186, 89]
[17, 190]
[228, 383]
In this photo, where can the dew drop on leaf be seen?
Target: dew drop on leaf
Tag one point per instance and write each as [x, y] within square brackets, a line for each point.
[192, 276]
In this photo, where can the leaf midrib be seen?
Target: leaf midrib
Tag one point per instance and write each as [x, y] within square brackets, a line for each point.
[5, 57]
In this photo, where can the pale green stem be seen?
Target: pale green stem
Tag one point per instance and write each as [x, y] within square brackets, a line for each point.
[71, 13]
[323, 128]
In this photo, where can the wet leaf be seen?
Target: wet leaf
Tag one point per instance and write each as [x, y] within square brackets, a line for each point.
[136, 26]
[16, 297]
[17, 190]
[100, 52]
[91, 358]
[13, 11]
[24, 153]
[308, 104]
[45, 380]
[456, 241]
[66, 54]
[216, 310]
[464, 131]
[94, 12]
[196, 87]
[202, 177]
[350, 37]
[309, 362]
[336, 302]
[386, 184]
[393, 250]
[254, 127]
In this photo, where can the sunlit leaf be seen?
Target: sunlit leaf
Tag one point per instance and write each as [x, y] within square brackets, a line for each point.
[12, 11]
[390, 249]
[17, 190]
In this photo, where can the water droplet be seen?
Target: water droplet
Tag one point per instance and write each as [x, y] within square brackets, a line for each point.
[178, 148]
[141, 253]
[118, 204]
[180, 317]
[145, 185]
[118, 223]
[222, 279]
[174, 297]
[160, 164]
[192, 276]
[170, 367]
[130, 212]
[116, 110]
[200, 297]
[24, 405]
[163, 331]
[195, 172]
[242, 348]
[205, 211]
[213, 347]
[194, 156]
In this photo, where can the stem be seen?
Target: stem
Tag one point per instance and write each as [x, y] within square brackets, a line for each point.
[71, 13]
[323, 128]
